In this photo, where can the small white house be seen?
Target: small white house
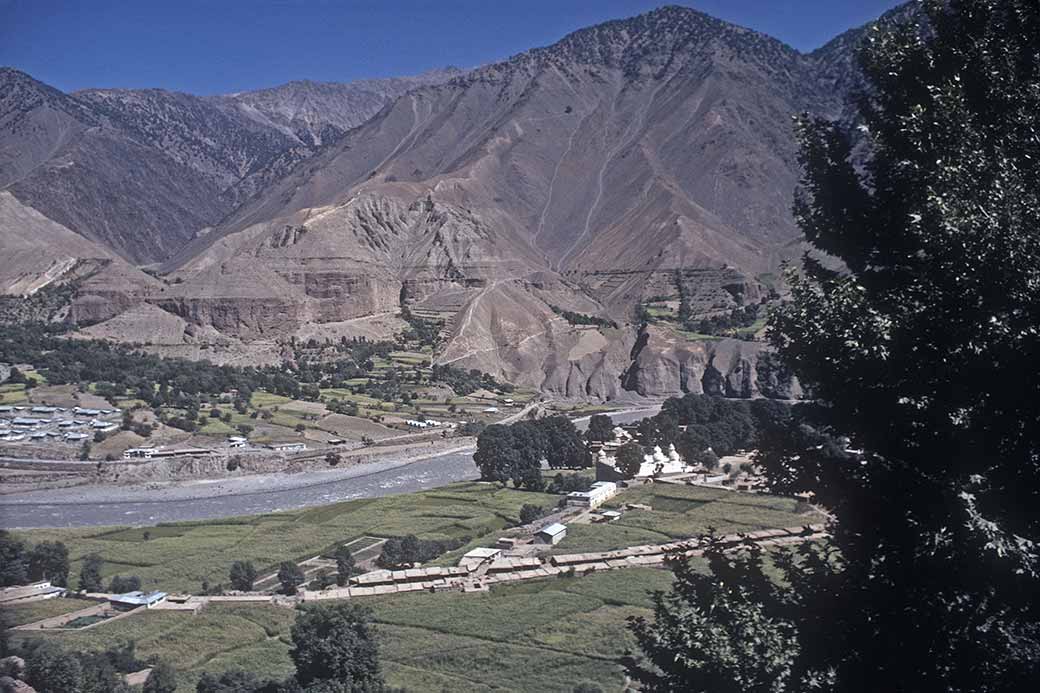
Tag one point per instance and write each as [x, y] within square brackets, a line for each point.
[288, 447]
[237, 442]
[551, 534]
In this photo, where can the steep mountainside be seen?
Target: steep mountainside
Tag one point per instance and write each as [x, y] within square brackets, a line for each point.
[317, 113]
[657, 142]
[76, 166]
[143, 171]
[531, 205]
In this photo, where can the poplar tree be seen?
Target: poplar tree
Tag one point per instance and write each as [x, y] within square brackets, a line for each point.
[921, 350]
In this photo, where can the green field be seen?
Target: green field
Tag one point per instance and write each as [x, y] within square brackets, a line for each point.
[546, 635]
[180, 556]
[572, 628]
[13, 394]
[217, 639]
[31, 612]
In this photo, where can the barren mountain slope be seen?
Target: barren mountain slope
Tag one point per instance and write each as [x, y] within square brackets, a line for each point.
[39, 253]
[143, 171]
[659, 141]
[318, 113]
[74, 164]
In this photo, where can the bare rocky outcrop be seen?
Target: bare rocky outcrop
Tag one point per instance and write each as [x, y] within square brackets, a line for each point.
[664, 365]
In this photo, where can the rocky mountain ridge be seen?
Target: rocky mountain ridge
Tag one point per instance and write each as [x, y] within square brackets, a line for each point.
[577, 178]
[143, 171]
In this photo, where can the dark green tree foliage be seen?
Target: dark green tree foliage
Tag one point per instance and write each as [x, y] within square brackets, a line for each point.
[529, 513]
[515, 452]
[583, 319]
[496, 453]
[345, 566]
[565, 448]
[601, 428]
[724, 425]
[565, 483]
[90, 573]
[242, 575]
[401, 551]
[629, 459]
[923, 355]
[122, 584]
[161, 679]
[737, 644]
[336, 643]
[14, 560]
[290, 576]
[464, 382]
[49, 669]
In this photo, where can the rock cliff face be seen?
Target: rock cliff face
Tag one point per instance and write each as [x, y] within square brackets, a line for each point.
[664, 365]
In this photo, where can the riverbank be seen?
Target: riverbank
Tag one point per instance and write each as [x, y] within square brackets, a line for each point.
[403, 472]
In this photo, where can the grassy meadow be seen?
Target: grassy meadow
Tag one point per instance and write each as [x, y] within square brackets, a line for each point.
[573, 629]
[179, 556]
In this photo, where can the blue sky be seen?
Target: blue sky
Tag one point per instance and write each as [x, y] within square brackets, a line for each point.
[218, 46]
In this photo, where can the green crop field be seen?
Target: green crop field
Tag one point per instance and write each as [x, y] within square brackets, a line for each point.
[20, 614]
[219, 638]
[13, 394]
[180, 556]
[549, 635]
[682, 512]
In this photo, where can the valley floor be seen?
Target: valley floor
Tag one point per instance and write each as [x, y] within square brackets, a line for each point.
[404, 472]
[539, 635]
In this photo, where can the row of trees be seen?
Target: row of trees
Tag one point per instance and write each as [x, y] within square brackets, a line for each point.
[464, 382]
[403, 551]
[515, 452]
[583, 319]
[243, 574]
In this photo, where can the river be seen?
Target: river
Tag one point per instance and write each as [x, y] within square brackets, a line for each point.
[221, 498]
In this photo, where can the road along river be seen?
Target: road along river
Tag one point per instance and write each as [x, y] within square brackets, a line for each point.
[207, 499]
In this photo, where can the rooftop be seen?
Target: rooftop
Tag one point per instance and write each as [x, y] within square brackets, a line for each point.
[553, 529]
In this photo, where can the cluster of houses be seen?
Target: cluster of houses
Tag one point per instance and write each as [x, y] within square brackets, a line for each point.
[46, 423]
[426, 423]
[157, 452]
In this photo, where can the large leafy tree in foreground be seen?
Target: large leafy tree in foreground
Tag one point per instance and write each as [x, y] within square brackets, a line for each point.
[924, 352]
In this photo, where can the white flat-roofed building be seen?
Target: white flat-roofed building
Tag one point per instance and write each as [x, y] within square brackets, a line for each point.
[288, 447]
[598, 494]
[34, 592]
